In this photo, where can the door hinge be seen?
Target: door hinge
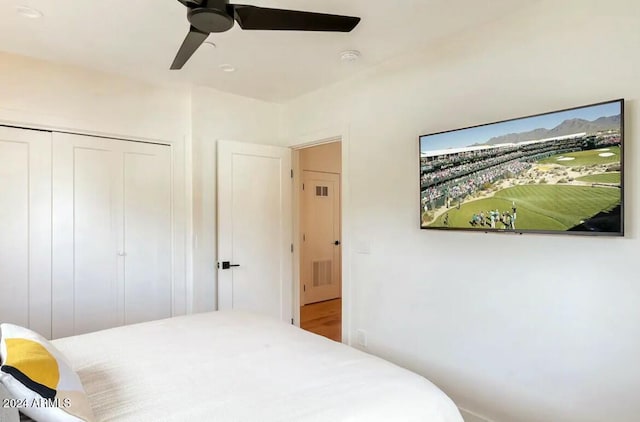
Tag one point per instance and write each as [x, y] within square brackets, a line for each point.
[292, 173]
[292, 321]
[303, 186]
[304, 237]
[304, 287]
[292, 247]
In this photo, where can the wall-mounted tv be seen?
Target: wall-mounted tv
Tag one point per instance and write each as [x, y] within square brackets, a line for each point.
[557, 172]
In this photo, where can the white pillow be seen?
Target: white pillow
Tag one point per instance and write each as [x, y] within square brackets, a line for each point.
[39, 378]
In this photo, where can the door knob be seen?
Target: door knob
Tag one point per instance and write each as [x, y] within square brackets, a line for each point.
[226, 265]
[337, 243]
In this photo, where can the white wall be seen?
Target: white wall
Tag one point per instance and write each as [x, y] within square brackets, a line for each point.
[216, 116]
[549, 328]
[47, 95]
[71, 97]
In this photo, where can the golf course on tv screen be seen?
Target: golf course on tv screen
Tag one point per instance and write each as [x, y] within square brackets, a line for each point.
[558, 172]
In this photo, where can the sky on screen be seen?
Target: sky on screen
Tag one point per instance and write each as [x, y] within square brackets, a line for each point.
[481, 134]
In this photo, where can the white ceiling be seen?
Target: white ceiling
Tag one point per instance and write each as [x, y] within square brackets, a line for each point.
[139, 39]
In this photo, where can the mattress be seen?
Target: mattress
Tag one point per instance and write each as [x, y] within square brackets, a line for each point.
[230, 366]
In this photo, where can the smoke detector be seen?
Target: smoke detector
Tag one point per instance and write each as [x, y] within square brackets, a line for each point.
[350, 55]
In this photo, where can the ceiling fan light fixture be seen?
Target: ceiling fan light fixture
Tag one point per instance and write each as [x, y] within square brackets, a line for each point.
[350, 55]
[29, 12]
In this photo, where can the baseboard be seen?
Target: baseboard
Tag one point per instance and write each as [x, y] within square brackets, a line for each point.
[469, 416]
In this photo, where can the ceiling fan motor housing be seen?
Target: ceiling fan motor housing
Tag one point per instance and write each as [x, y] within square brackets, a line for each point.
[211, 16]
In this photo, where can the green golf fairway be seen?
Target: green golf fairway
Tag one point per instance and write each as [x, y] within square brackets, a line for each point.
[613, 177]
[585, 158]
[539, 207]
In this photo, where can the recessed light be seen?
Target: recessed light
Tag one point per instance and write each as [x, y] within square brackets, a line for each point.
[350, 55]
[227, 68]
[29, 12]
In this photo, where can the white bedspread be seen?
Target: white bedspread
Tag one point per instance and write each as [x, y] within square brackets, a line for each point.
[227, 366]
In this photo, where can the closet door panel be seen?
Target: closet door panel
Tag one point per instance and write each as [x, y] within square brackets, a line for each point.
[25, 228]
[112, 233]
[147, 233]
[87, 216]
[14, 232]
[95, 208]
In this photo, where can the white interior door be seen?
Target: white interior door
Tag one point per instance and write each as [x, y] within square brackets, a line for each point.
[254, 228]
[111, 233]
[25, 228]
[320, 220]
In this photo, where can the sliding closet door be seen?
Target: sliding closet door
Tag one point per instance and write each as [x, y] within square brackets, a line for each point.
[111, 233]
[87, 211]
[25, 228]
[147, 232]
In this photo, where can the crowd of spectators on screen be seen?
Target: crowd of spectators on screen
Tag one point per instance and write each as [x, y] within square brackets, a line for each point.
[458, 174]
[466, 185]
[450, 177]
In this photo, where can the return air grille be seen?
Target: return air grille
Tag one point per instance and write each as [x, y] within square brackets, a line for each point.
[322, 191]
[321, 273]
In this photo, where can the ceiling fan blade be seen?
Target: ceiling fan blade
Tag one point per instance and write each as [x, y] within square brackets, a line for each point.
[252, 17]
[191, 2]
[194, 39]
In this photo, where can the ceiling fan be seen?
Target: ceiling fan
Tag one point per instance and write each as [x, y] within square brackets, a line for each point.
[207, 16]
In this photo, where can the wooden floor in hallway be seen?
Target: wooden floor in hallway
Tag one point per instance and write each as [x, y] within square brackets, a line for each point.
[323, 318]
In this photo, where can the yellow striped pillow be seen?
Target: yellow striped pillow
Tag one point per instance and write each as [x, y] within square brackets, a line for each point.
[39, 378]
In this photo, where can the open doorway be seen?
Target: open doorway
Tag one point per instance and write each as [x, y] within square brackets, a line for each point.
[320, 257]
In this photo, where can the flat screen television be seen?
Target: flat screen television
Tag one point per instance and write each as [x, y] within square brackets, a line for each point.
[556, 172]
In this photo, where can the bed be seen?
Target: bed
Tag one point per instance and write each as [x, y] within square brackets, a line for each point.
[233, 366]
